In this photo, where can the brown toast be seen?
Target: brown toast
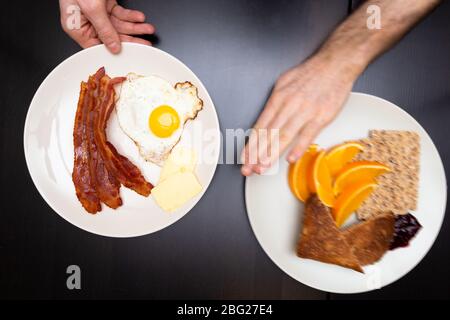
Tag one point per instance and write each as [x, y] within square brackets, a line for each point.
[370, 239]
[321, 239]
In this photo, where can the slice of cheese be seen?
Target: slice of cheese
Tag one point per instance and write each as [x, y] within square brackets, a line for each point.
[181, 159]
[172, 192]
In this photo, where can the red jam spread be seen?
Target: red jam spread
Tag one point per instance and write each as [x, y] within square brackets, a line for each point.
[406, 227]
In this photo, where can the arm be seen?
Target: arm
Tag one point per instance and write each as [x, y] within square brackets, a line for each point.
[309, 96]
[353, 39]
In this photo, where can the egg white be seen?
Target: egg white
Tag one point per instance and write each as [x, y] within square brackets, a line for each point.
[138, 96]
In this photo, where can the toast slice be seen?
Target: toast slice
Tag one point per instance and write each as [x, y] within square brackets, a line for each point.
[321, 239]
[371, 239]
[398, 190]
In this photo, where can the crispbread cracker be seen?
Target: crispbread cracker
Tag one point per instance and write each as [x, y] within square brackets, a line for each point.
[397, 191]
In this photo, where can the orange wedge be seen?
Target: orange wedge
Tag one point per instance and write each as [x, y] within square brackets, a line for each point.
[321, 181]
[297, 176]
[338, 156]
[351, 199]
[356, 171]
[310, 173]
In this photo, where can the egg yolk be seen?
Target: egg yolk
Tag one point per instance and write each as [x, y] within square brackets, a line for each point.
[163, 121]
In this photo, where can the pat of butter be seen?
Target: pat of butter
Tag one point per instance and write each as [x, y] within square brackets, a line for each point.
[172, 192]
[181, 159]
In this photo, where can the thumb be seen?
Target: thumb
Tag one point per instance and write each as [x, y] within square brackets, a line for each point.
[98, 16]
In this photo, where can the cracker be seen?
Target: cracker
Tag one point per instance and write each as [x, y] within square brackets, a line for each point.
[398, 190]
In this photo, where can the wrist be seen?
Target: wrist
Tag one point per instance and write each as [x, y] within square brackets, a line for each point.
[347, 64]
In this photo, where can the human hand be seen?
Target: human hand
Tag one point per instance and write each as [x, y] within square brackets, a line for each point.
[104, 21]
[304, 100]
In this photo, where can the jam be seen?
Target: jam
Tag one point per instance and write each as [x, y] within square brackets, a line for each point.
[406, 227]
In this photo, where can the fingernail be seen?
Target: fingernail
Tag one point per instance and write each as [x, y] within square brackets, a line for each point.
[246, 171]
[292, 158]
[114, 47]
[259, 170]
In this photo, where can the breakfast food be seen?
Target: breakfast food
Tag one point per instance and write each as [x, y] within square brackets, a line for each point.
[376, 177]
[350, 199]
[174, 191]
[397, 191]
[321, 181]
[356, 171]
[341, 154]
[99, 169]
[153, 113]
[339, 182]
[358, 245]
[177, 183]
[299, 174]
[321, 239]
[180, 159]
[406, 228]
[371, 239]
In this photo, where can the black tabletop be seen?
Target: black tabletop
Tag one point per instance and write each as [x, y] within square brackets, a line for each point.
[238, 48]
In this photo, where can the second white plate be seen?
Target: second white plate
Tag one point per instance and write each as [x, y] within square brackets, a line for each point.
[275, 214]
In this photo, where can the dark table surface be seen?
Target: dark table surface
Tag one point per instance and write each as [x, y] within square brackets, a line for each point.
[237, 47]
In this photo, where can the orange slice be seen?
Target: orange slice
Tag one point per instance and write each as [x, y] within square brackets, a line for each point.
[353, 172]
[321, 180]
[310, 173]
[351, 199]
[341, 154]
[297, 176]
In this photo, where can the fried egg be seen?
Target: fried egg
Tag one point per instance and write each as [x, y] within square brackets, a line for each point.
[153, 113]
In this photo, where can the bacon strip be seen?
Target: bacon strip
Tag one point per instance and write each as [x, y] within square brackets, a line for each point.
[106, 185]
[99, 169]
[122, 168]
[81, 174]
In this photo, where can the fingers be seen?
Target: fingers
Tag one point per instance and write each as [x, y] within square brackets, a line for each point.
[286, 119]
[268, 113]
[86, 38]
[97, 14]
[126, 38]
[127, 14]
[279, 143]
[131, 28]
[249, 156]
[306, 137]
[89, 42]
[270, 110]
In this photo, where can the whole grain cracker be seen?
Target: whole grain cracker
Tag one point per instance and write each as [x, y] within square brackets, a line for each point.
[397, 190]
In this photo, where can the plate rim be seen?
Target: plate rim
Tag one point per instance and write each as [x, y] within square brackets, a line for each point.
[39, 188]
[354, 93]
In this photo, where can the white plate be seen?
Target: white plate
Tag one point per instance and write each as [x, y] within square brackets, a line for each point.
[275, 215]
[48, 140]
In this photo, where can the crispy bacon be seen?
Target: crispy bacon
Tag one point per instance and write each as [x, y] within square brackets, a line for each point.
[125, 171]
[81, 174]
[106, 184]
[98, 168]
